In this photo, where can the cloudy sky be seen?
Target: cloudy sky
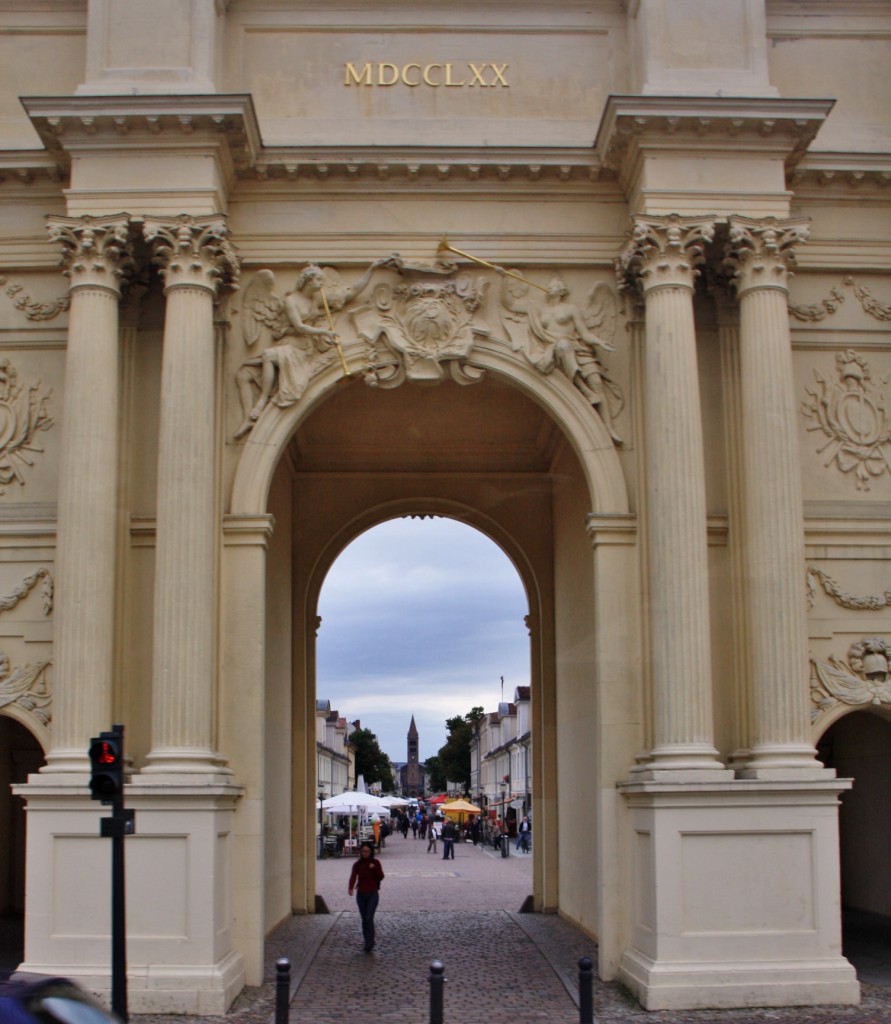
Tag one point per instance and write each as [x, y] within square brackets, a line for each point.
[420, 617]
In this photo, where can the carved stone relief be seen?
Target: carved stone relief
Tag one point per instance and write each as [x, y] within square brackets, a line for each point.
[419, 324]
[842, 597]
[23, 414]
[424, 327]
[22, 589]
[26, 687]
[826, 307]
[854, 413]
[555, 333]
[862, 680]
[33, 310]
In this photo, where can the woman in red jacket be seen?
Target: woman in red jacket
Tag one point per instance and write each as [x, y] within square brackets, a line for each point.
[366, 878]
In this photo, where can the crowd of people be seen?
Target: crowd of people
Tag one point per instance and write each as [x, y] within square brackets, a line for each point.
[367, 873]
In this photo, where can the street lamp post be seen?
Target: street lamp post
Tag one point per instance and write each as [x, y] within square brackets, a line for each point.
[505, 839]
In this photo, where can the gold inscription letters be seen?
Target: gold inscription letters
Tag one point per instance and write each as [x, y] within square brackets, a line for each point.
[485, 75]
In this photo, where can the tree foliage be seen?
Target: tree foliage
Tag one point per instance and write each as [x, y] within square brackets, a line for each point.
[436, 779]
[371, 761]
[454, 756]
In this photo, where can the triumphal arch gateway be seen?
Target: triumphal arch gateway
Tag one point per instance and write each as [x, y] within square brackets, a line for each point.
[608, 280]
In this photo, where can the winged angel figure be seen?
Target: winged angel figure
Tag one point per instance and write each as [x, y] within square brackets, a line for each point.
[25, 686]
[554, 332]
[834, 682]
[298, 327]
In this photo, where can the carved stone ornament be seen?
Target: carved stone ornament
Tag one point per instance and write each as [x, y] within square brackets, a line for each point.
[420, 327]
[33, 310]
[855, 415]
[26, 687]
[863, 679]
[23, 414]
[423, 328]
[555, 333]
[193, 251]
[664, 251]
[854, 602]
[95, 250]
[22, 589]
[761, 253]
[826, 307]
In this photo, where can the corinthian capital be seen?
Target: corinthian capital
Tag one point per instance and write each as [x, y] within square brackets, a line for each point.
[95, 250]
[761, 253]
[665, 251]
[193, 251]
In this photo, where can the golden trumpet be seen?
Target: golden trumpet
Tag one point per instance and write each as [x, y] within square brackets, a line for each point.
[338, 346]
[444, 246]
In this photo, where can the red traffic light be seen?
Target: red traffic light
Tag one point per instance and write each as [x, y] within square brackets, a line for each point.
[104, 753]
[106, 767]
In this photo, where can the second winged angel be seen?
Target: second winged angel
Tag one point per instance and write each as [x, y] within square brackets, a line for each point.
[298, 325]
[554, 332]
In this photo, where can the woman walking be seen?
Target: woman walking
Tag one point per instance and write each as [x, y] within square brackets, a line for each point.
[366, 878]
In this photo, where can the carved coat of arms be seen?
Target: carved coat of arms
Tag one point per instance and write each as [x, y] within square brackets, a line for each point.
[863, 680]
[23, 414]
[855, 415]
[422, 328]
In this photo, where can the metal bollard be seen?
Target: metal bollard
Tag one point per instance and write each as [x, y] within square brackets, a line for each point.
[586, 991]
[282, 989]
[437, 984]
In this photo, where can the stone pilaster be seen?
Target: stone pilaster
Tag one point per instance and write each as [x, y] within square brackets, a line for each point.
[196, 261]
[760, 254]
[662, 258]
[95, 254]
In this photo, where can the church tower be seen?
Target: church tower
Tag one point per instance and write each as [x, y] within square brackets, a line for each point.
[413, 784]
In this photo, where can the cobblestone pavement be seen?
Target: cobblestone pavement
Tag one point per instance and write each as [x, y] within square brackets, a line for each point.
[501, 966]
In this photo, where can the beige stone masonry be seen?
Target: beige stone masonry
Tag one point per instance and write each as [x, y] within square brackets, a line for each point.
[760, 254]
[663, 256]
[196, 261]
[95, 253]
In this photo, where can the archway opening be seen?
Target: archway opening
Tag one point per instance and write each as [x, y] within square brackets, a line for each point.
[858, 747]
[424, 643]
[20, 756]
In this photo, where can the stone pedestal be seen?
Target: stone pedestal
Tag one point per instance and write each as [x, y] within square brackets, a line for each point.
[712, 928]
[179, 948]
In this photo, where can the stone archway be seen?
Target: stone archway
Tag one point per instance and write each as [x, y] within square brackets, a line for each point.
[20, 756]
[858, 747]
[527, 461]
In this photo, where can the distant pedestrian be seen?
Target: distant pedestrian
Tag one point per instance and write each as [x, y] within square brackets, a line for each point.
[524, 834]
[366, 878]
[423, 826]
[403, 826]
[432, 836]
[414, 828]
[448, 841]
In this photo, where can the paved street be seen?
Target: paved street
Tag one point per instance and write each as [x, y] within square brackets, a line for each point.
[501, 966]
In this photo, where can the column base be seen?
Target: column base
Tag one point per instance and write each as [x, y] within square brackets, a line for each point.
[712, 985]
[192, 989]
[180, 876]
[735, 895]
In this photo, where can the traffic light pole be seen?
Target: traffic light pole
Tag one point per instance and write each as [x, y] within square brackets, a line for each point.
[107, 785]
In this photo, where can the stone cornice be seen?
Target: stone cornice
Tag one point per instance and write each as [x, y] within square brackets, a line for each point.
[632, 125]
[69, 124]
[847, 173]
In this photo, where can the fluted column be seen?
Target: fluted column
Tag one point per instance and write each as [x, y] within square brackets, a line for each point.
[759, 255]
[662, 259]
[196, 261]
[95, 254]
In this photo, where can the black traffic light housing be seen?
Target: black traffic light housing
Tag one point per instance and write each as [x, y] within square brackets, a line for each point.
[107, 767]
